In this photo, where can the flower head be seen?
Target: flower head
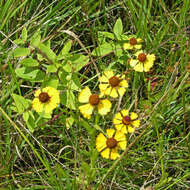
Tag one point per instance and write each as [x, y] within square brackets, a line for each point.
[112, 85]
[108, 146]
[91, 102]
[46, 100]
[143, 62]
[133, 43]
[126, 122]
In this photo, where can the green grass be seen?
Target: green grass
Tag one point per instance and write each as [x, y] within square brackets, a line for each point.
[54, 157]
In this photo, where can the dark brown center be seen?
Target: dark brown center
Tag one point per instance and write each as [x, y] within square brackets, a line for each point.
[126, 120]
[142, 57]
[114, 81]
[94, 99]
[111, 143]
[44, 97]
[133, 41]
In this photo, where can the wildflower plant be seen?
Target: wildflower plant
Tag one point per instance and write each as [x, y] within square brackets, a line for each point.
[58, 88]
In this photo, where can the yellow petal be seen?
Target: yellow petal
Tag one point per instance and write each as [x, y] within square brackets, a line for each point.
[119, 136]
[124, 83]
[105, 153]
[122, 145]
[37, 92]
[138, 52]
[109, 74]
[104, 107]
[103, 87]
[86, 109]
[48, 108]
[114, 93]
[124, 129]
[125, 112]
[127, 46]
[139, 40]
[121, 91]
[100, 142]
[133, 116]
[151, 57]
[130, 129]
[37, 105]
[103, 79]
[114, 154]
[119, 127]
[139, 67]
[137, 46]
[133, 62]
[110, 132]
[84, 95]
[118, 116]
[136, 123]
[117, 121]
[108, 91]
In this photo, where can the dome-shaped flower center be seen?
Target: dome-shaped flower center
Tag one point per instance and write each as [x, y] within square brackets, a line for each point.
[111, 143]
[142, 57]
[133, 41]
[94, 99]
[126, 120]
[44, 97]
[114, 81]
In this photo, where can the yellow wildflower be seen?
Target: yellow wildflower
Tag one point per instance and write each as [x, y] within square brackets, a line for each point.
[91, 102]
[46, 100]
[143, 62]
[112, 85]
[133, 43]
[126, 123]
[108, 146]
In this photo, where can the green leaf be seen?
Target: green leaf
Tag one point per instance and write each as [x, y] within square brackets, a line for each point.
[68, 99]
[29, 119]
[69, 122]
[106, 34]
[89, 129]
[29, 62]
[47, 51]
[118, 28]
[53, 82]
[24, 34]
[21, 103]
[66, 48]
[75, 82]
[19, 41]
[67, 66]
[31, 74]
[35, 40]
[103, 49]
[51, 69]
[19, 52]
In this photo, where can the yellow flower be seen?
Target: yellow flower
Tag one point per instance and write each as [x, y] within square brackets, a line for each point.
[143, 62]
[91, 102]
[46, 100]
[108, 146]
[133, 43]
[112, 85]
[126, 123]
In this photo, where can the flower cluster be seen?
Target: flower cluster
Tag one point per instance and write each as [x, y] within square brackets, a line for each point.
[114, 86]
[142, 62]
[111, 85]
